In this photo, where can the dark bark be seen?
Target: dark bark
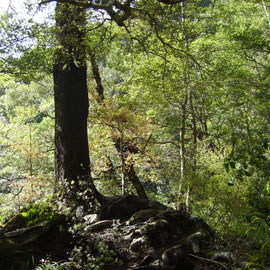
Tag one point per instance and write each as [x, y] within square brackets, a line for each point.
[134, 179]
[72, 161]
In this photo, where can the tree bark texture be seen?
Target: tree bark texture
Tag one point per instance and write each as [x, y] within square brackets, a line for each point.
[72, 161]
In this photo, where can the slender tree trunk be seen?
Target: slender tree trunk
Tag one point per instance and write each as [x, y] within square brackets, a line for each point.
[30, 152]
[194, 127]
[30, 156]
[120, 150]
[134, 179]
[266, 12]
[95, 70]
[183, 118]
[203, 118]
[122, 147]
[72, 163]
[182, 149]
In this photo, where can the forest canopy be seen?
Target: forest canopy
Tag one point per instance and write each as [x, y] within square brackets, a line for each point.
[165, 99]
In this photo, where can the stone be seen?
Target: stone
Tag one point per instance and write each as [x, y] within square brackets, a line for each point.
[90, 219]
[23, 248]
[137, 244]
[172, 255]
[227, 257]
[195, 240]
[100, 225]
[147, 260]
[28, 235]
[142, 216]
[123, 207]
[79, 212]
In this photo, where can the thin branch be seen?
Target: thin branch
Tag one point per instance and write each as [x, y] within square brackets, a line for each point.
[208, 260]
[146, 143]
[96, 27]
[10, 179]
[119, 16]
[170, 2]
[17, 193]
[109, 6]
[165, 142]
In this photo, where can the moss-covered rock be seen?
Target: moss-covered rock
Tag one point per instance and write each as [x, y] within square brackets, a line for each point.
[166, 236]
[23, 247]
[143, 236]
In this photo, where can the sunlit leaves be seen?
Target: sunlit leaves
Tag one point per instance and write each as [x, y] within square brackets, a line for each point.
[26, 129]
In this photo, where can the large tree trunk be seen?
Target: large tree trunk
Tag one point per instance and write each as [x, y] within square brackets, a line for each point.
[72, 163]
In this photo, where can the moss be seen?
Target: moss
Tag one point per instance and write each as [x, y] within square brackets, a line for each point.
[31, 215]
[37, 213]
[16, 222]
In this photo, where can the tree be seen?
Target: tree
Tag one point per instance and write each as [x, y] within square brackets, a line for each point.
[72, 163]
[124, 147]
[26, 141]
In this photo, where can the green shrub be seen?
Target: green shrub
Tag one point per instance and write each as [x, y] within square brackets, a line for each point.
[38, 212]
[47, 265]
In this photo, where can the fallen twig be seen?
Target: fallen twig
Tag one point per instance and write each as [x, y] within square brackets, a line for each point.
[208, 260]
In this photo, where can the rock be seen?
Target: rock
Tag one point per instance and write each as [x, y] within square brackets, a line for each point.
[123, 207]
[21, 249]
[227, 257]
[172, 255]
[28, 235]
[79, 212]
[137, 244]
[195, 240]
[177, 257]
[200, 223]
[142, 216]
[90, 219]
[160, 238]
[100, 225]
[148, 236]
[14, 223]
[147, 260]
[242, 264]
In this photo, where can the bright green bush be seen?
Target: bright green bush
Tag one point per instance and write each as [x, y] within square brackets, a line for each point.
[38, 212]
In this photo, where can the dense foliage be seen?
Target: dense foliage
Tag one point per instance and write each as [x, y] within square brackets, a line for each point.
[186, 98]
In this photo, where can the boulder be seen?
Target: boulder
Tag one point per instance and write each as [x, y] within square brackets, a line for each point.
[157, 238]
[21, 249]
[123, 207]
[139, 233]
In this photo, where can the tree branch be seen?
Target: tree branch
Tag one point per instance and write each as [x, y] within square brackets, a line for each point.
[170, 2]
[123, 10]
[208, 260]
[123, 13]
